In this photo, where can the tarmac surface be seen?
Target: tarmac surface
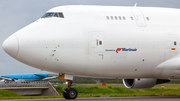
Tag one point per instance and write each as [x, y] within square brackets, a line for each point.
[107, 99]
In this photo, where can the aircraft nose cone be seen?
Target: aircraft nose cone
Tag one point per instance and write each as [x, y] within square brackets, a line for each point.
[11, 46]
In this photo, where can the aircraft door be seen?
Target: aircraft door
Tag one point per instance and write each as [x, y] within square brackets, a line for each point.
[97, 43]
[139, 17]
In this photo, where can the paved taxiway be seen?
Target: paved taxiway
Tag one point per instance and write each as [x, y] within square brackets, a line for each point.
[108, 99]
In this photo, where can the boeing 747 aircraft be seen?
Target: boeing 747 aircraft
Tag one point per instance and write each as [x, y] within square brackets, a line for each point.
[26, 77]
[138, 44]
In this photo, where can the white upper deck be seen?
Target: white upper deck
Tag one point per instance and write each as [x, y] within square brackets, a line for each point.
[90, 8]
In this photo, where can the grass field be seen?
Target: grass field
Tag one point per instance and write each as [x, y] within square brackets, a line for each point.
[110, 90]
[118, 90]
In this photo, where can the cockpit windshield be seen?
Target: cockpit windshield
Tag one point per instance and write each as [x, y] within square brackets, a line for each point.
[53, 14]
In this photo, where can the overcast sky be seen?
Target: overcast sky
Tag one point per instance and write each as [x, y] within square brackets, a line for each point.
[16, 14]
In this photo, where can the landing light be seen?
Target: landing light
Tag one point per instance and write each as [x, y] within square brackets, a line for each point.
[66, 82]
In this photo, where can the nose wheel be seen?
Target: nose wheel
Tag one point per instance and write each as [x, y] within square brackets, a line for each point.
[69, 93]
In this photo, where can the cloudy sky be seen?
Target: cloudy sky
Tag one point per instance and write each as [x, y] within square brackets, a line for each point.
[15, 14]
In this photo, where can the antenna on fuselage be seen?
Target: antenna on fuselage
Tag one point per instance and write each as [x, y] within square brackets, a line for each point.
[135, 5]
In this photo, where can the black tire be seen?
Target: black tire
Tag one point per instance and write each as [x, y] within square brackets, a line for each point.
[65, 94]
[71, 93]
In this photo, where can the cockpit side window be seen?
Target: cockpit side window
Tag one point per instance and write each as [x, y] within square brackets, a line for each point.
[47, 15]
[61, 15]
[53, 14]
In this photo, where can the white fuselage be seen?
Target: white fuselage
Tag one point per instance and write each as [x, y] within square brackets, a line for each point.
[90, 41]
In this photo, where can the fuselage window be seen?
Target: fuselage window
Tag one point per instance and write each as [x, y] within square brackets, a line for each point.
[119, 18]
[147, 18]
[111, 17]
[100, 42]
[115, 17]
[124, 18]
[175, 43]
[132, 18]
[107, 17]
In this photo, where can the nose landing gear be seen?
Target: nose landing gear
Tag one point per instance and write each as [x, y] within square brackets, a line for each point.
[69, 93]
